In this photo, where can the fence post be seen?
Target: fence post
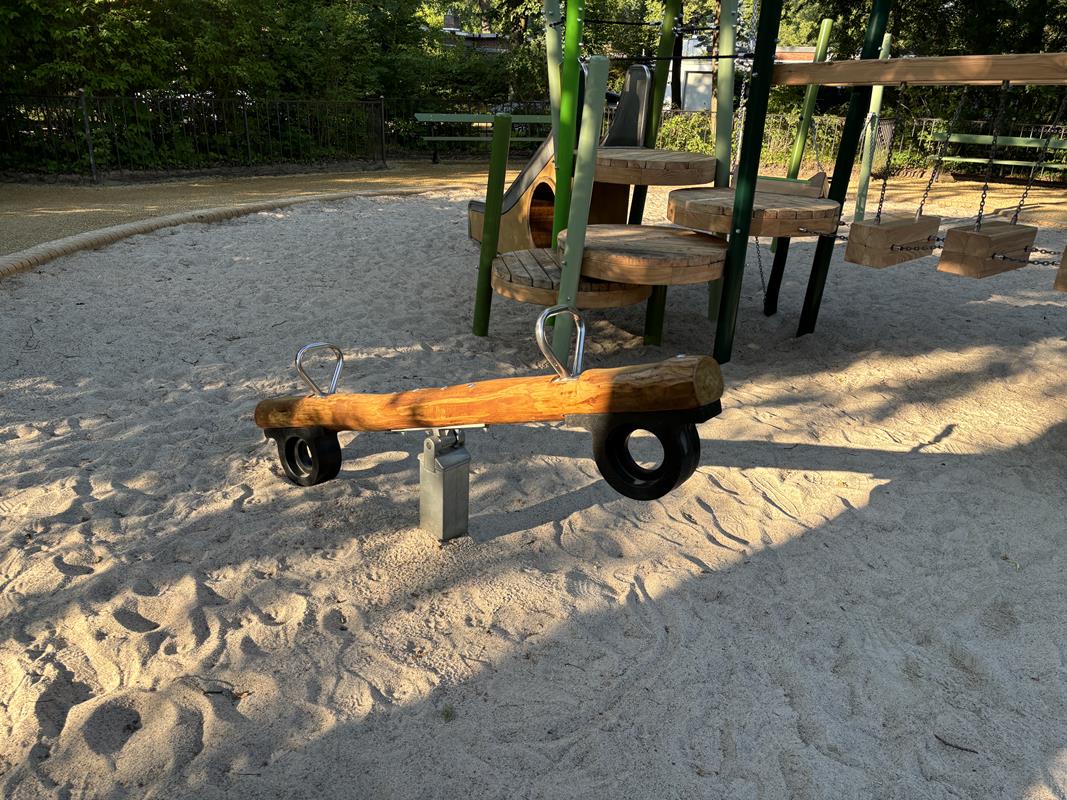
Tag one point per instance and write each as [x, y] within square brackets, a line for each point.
[381, 126]
[88, 134]
[248, 139]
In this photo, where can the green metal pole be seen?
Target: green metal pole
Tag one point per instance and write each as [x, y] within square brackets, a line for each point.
[568, 115]
[780, 246]
[724, 119]
[585, 170]
[494, 199]
[554, 54]
[657, 303]
[724, 92]
[822, 46]
[664, 51]
[759, 91]
[870, 142]
[846, 159]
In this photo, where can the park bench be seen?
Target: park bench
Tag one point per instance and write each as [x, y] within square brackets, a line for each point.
[480, 122]
[986, 140]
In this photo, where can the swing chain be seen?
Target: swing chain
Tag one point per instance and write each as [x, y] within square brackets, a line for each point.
[888, 155]
[837, 236]
[1040, 158]
[815, 144]
[1003, 257]
[934, 243]
[759, 263]
[1001, 107]
[742, 101]
[939, 157]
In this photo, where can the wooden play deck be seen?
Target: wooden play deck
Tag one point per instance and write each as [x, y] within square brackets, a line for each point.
[650, 254]
[534, 276]
[773, 214]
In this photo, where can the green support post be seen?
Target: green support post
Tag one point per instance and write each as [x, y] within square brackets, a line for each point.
[494, 199]
[759, 91]
[582, 196]
[568, 115]
[724, 119]
[846, 159]
[870, 141]
[724, 92]
[780, 246]
[657, 303]
[554, 53]
[664, 52]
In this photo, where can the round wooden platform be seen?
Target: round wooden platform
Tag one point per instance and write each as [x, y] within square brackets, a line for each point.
[643, 166]
[772, 214]
[533, 276]
[650, 254]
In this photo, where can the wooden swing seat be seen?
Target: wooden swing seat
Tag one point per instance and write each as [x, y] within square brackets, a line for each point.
[974, 254]
[870, 243]
[533, 276]
[653, 255]
[779, 208]
[1061, 275]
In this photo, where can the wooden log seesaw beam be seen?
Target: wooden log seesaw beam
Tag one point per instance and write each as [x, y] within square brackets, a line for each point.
[681, 383]
[667, 399]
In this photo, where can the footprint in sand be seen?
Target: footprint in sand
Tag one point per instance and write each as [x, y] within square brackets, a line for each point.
[40, 502]
[128, 735]
[110, 726]
[132, 621]
[71, 570]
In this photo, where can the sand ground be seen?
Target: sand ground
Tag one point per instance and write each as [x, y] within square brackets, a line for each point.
[859, 594]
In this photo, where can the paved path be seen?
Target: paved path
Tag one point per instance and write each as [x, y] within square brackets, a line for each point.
[33, 213]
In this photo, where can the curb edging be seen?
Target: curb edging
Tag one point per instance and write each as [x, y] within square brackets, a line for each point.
[40, 254]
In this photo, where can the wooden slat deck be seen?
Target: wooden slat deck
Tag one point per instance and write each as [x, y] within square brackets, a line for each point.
[711, 210]
[643, 166]
[533, 276]
[650, 254]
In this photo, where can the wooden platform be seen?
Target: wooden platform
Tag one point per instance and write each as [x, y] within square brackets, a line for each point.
[773, 214]
[650, 254]
[533, 276]
[871, 243]
[973, 254]
[644, 166]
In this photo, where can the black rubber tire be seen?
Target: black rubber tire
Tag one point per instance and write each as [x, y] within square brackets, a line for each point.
[681, 454]
[309, 457]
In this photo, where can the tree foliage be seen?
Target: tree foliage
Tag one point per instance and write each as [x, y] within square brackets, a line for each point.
[341, 49]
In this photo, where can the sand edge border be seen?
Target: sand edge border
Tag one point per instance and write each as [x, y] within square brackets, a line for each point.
[40, 254]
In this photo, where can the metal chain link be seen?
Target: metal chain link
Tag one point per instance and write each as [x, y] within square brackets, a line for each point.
[759, 263]
[1029, 250]
[1002, 257]
[742, 101]
[939, 158]
[935, 242]
[1040, 158]
[815, 144]
[1004, 87]
[888, 156]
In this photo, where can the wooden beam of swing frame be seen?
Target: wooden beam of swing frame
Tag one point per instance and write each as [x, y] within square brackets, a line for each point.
[1048, 69]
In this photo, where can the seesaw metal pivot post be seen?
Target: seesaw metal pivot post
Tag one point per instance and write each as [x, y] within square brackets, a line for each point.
[444, 484]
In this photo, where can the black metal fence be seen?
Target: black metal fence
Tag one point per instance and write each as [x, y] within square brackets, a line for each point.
[91, 135]
[88, 135]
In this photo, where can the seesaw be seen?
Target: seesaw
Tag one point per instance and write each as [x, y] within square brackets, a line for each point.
[667, 399]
